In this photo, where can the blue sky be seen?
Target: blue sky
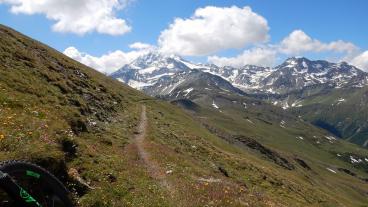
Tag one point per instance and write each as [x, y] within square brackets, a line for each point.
[325, 21]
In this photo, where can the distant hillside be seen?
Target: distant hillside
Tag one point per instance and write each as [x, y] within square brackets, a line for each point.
[296, 85]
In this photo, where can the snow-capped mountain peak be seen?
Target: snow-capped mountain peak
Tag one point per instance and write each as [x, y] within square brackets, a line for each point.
[148, 68]
[294, 74]
[156, 59]
[298, 73]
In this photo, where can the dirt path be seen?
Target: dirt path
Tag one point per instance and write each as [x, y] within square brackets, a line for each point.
[155, 171]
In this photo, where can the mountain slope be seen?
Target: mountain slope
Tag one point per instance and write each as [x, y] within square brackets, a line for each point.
[294, 74]
[64, 116]
[259, 128]
[279, 137]
[182, 84]
[329, 95]
[299, 73]
[341, 111]
[297, 84]
[81, 125]
[148, 68]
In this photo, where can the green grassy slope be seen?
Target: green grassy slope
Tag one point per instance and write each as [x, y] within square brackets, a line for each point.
[291, 138]
[63, 115]
[80, 125]
[342, 111]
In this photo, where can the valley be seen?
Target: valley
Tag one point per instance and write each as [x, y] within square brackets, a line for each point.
[299, 86]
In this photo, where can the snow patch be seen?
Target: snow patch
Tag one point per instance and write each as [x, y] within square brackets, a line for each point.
[331, 170]
[121, 80]
[339, 101]
[147, 70]
[138, 85]
[305, 64]
[214, 105]
[175, 85]
[297, 103]
[282, 124]
[354, 160]
[154, 78]
[330, 138]
[187, 91]
[170, 66]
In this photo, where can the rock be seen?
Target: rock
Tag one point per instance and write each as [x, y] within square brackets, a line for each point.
[223, 171]
[74, 174]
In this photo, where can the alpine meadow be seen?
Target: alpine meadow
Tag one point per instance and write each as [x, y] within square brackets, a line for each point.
[183, 103]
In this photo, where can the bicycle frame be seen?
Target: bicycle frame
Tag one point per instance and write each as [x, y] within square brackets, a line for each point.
[16, 192]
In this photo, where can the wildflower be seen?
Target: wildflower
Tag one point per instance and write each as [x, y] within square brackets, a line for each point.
[2, 136]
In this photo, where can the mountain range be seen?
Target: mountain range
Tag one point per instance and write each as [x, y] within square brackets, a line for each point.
[314, 90]
[294, 74]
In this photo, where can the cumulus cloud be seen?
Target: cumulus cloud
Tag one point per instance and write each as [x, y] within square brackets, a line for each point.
[212, 29]
[141, 46]
[361, 61]
[76, 16]
[296, 43]
[256, 56]
[299, 42]
[107, 63]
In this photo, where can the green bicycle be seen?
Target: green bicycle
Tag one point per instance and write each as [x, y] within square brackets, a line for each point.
[28, 185]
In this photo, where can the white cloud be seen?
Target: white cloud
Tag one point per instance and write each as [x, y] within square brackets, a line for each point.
[76, 16]
[212, 29]
[256, 56]
[361, 61]
[299, 42]
[107, 63]
[296, 43]
[141, 46]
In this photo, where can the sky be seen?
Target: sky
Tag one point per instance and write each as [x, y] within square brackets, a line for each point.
[106, 34]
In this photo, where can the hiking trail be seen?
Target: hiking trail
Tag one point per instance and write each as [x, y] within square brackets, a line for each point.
[139, 139]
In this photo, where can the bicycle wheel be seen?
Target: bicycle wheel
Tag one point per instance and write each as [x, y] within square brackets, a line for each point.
[41, 184]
